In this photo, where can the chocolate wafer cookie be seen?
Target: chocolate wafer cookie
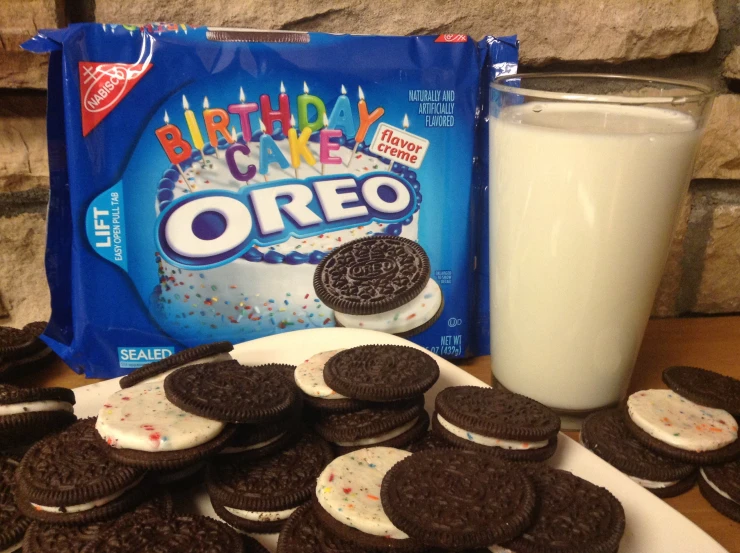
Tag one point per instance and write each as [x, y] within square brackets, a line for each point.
[381, 373]
[396, 424]
[68, 479]
[179, 534]
[259, 495]
[470, 499]
[22, 351]
[232, 393]
[309, 377]
[678, 428]
[705, 387]
[217, 351]
[380, 283]
[29, 414]
[720, 485]
[252, 441]
[496, 422]
[606, 434]
[571, 514]
[13, 523]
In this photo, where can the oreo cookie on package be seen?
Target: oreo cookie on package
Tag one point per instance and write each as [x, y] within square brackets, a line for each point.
[210, 198]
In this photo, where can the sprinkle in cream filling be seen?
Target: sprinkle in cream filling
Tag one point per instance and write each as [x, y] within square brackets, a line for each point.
[488, 440]
[35, 407]
[262, 516]
[87, 506]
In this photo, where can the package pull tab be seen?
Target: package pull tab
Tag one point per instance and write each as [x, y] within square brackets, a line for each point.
[224, 34]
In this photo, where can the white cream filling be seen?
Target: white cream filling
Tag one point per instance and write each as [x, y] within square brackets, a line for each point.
[487, 440]
[715, 487]
[681, 423]
[87, 506]
[372, 440]
[210, 359]
[309, 376]
[410, 315]
[349, 490]
[229, 450]
[262, 516]
[499, 549]
[35, 407]
[652, 484]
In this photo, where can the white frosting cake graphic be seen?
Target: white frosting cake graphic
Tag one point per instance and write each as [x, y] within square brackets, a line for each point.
[269, 289]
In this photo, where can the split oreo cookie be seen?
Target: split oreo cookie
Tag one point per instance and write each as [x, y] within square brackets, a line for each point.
[178, 534]
[355, 479]
[29, 414]
[678, 428]
[571, 514]
[396, 424]
[720, 486]
[470, 499]
[143, 429]
[230, 392]
[252, 441]
[380, 283]
[605, 433]
[381, 373]
[13, 523]
[705, 387]
[496, 422]
[309, 376]
[218, 351]
[67, 478]
[259, 495]
[304, 533]
[22, 351]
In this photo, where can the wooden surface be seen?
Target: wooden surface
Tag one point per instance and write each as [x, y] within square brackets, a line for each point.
[712, 343]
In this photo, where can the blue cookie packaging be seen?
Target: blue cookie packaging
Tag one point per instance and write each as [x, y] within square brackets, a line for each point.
[200, 175]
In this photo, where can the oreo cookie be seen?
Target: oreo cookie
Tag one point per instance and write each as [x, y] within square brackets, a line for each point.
[496, 422]
[470, 499]
[139, 426]
[55, 538]
[720, 486]
[68, 479]
[259, 495]
[431, 441]
[29, 414]
[304, 533]
[309, 377]
[13, 523]
[606, 434]
[705, 387]
[178, 534]
[381, 373]
[230, 392]
[355, 479]
[252, 441]
[678, 428]
[396, 424]
[217, 351]
[380, 283]
[571, 514]
[22, 351]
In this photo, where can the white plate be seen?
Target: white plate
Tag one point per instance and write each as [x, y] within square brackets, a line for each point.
[652, 525]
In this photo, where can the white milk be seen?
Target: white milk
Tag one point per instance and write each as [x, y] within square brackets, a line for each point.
[581, 220]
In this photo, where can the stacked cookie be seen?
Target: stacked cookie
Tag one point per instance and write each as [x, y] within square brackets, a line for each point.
[660, 438]
[496, 422]
[368, 395]
[382, 498]
[21, 350]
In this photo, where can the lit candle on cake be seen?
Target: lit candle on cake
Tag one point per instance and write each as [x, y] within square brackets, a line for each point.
[193, 127]
[326, 146]
[217, 121]
[304, 101]
[231, 151]
[269, 152]
[299, 146]
[405, 126]
[341, 115]
[366, 119]
[242, 110]
[171, 139]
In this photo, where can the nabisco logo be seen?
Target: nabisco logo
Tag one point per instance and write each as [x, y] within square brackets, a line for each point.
[103, 85]
[452, 38]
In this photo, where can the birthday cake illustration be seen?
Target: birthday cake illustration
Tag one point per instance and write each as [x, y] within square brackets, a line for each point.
[297, 190]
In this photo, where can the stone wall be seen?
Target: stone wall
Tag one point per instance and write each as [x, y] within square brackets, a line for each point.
[694, 39]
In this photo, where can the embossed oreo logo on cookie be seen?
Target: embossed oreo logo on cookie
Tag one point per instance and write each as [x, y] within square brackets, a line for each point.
[211, 228]
[367, 270]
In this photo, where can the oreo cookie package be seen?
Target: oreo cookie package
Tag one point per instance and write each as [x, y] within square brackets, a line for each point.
[204, 182]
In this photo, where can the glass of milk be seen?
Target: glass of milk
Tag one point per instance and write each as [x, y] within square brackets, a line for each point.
[587, 175]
